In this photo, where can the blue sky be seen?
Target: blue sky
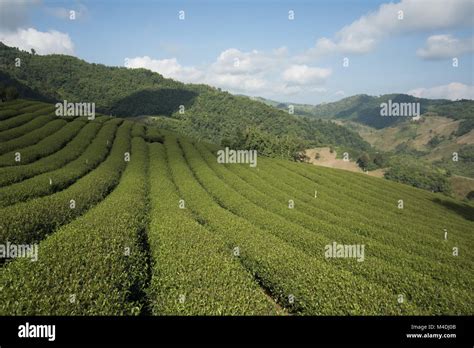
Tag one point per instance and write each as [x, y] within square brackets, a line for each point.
[253, 48]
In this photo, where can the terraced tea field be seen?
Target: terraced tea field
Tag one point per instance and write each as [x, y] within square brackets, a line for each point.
[131, 220]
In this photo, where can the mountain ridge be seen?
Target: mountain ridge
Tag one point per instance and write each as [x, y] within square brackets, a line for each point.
[365, 109]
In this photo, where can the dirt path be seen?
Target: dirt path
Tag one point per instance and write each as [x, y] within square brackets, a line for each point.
[328, 159]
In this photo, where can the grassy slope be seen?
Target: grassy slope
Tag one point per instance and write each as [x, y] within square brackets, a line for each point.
[416, 136]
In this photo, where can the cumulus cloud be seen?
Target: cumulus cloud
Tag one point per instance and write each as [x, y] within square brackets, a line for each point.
[305, 75]
[362, 35]
[248, 72]
[324, 46]
[42, 42]
[167, 67]
[452, 91]
[253, 72]
[238, 83]
[235, 62]
[445, 46]
[15, 32]
[222, 73]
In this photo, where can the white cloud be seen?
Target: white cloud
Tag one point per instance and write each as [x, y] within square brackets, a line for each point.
[258, 72]
[362, 35]
[281, 51]
[167, 67]
[235, 62]
[14, 31]
[216, 74]
[42, 42]
[452, 91]
[237, 83]
[253, 72]
[305, 75]
[248, 72]
[445, 46]
[323, 46]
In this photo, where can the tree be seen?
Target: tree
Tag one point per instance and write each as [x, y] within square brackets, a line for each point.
[434, 141]
[380, 160]
[364, 160]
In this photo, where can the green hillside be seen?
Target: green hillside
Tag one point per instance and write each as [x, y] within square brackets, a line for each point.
[365, 109]
[200, 111]
[419, 153]
[136, 220]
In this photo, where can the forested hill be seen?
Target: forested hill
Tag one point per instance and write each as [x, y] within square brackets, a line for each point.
[365, 109]
[209, 113]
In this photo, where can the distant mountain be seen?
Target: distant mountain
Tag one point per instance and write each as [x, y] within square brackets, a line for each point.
[198, 111]
[365, 109]
[445, 127]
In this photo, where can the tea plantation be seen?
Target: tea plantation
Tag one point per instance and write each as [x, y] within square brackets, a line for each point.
[134, 220]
